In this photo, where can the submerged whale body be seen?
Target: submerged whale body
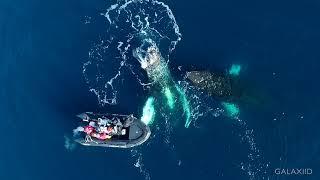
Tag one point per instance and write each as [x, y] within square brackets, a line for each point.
[214, 84]
[228, 88]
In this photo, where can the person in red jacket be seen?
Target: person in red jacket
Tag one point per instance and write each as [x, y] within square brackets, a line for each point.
[91, 131]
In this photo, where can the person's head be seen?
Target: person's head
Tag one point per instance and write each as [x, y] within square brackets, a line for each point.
[109, 128]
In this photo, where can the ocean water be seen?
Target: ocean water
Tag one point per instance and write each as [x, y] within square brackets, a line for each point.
[44, 48]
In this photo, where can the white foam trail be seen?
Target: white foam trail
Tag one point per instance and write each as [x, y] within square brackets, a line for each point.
[136, 154]
[69, 144]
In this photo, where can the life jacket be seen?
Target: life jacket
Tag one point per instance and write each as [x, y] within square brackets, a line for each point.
[104, 136]
[101, 136]
[88, 129]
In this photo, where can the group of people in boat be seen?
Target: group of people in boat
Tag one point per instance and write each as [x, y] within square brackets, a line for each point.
[103, 128]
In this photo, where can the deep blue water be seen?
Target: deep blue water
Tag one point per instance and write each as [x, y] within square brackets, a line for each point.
[43, 46]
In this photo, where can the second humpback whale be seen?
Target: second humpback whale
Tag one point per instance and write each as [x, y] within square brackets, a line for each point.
[217, 85]
[225, 87]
